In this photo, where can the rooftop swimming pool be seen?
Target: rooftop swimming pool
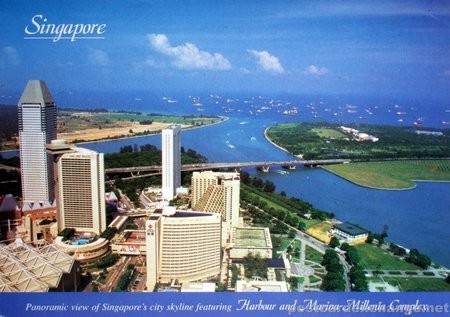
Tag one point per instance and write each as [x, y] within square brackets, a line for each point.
[80, 242]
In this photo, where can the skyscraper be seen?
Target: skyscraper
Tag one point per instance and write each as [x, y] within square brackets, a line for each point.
[171, 161]
[37, 127]
[80, 185]
[218, 193]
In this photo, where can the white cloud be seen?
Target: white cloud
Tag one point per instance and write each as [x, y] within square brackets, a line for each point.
[10, 56]
[98, 57]
[315, 70]
[267, 62]
[188, 56]
[244, 70]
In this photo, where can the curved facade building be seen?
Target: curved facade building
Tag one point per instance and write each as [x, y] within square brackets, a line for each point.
[182, 245]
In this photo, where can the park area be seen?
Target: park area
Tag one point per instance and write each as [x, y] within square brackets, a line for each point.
[375, 258]
[392, 174]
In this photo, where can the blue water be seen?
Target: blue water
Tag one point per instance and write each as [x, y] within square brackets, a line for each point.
[416, 218]
[80, 242]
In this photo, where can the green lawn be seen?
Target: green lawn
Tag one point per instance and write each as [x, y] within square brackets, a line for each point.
[393, 174]
[374, 258]
[329, 133]
[285, 243]
[418, 284]
[158, 118]
[313, 255]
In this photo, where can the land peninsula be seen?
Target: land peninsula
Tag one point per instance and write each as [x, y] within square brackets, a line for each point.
[383, 157]
[87, 125]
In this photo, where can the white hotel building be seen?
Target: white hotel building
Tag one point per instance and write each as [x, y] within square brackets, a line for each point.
[171, 161]
[37, 127]
[182, 245]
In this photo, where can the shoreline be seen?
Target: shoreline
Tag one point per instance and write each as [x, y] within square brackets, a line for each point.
[223, 119]
[276, 145]
[353, 182]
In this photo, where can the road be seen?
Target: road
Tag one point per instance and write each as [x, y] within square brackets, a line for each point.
[206, 166]
[319, 246]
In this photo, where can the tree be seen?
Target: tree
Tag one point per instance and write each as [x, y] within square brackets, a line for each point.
[254, 265]
[269, 186]
[283, 193]
[291, 234]
[334, 242]
[369, 238]
[384, 234]
[245, 177]
[258, 182]
[358, 279]
[447, 279]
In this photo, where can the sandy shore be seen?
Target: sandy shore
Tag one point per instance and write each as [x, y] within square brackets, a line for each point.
[276, 145]
[113, 133]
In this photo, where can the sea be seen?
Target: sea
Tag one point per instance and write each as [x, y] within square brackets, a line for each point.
[416, 218]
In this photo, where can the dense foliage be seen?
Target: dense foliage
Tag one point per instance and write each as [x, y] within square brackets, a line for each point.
[303, 138]
[254, 265]
[125, 279]
[107, 261]
[67, 233]
[334, 279]
[147, 155]
[144, 155]
[109, 233]
[418, 259]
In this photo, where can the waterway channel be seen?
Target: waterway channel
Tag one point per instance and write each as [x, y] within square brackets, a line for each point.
[416, 218]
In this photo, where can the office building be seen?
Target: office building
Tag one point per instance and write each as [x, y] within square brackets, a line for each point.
[37, 127]
[80, 183]
[217, 192]
[182, 245]
[171, 161]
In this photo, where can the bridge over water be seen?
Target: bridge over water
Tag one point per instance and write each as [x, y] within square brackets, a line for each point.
[264, 166]
[157, 169]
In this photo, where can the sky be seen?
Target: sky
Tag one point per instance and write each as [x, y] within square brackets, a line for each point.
[389, 48]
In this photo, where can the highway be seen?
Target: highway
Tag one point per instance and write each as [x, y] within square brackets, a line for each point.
[206, 166]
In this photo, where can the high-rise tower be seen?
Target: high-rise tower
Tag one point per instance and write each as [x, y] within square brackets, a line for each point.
[80, 185]
[171, 161]
[37, 127]
[218, 193]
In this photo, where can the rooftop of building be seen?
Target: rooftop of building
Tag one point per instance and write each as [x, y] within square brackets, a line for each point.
[173, 213]
[261, 286]
[251, 237]
[198, 287]
[350, 229]
[24, 268]
[36, 91]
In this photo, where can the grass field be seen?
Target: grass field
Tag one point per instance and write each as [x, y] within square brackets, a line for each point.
[320, 231]
[418, 284]
[393, 174]
[285, 242]
[329, 133]
[374, 258]
[313, 255]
